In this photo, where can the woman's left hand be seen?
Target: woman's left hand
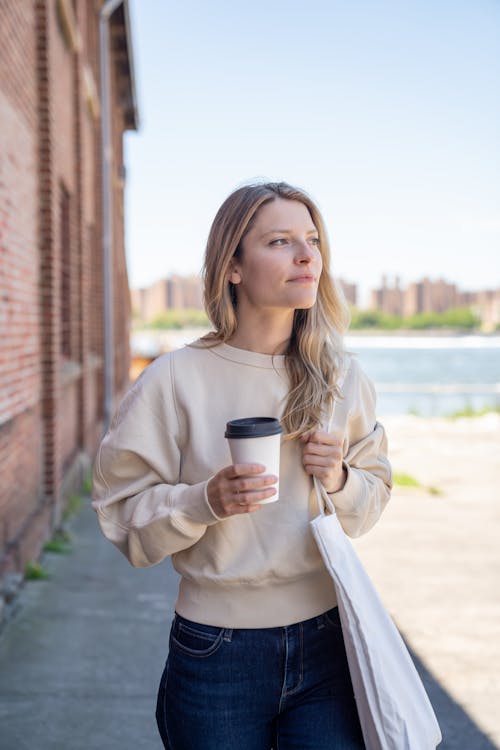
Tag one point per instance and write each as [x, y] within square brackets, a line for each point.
[322, 458]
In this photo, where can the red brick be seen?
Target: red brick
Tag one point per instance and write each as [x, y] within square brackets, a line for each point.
[48, 140]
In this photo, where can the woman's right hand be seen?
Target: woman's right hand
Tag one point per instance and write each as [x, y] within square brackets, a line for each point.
[238, 489]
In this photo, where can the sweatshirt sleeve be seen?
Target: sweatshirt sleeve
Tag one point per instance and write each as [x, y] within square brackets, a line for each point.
[369, 482]
[141, 505]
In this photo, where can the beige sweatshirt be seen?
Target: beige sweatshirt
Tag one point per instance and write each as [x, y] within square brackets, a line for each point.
[166, 441]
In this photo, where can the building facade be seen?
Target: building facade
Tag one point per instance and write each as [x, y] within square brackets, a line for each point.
[51, 268]
[435, 296]
[350, 292]
[173, 293]
[181, 292]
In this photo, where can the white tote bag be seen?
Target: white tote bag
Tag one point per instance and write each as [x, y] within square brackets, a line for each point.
[394, 710]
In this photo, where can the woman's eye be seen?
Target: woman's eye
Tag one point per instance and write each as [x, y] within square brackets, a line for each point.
[283, 240]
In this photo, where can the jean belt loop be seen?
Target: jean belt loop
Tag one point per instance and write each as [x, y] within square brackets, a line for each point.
[228, 635]
[320, 621]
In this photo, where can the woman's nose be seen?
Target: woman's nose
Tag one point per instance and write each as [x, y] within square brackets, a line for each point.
[305, 253]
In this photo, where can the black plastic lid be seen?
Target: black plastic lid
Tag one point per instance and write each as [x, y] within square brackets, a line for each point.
[253, 427]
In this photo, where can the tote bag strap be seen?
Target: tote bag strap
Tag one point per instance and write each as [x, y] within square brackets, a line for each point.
[324, 500]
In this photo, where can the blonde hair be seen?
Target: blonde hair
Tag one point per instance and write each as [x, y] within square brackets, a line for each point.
[315, 352]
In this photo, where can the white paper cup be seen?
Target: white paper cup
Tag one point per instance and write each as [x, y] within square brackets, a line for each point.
[256, 440]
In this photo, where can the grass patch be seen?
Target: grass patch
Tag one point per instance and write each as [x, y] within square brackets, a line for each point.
[469, 411]
[434, 490]
[87, 484]
[73, 506]
[60, 544]
[74, 503]
[414, 411]
[178, 318]
[406, 480]
[35, 572]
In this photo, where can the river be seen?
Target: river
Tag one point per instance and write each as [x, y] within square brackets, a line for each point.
[428, 375]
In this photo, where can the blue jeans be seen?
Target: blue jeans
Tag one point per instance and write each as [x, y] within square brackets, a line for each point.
[284, 688]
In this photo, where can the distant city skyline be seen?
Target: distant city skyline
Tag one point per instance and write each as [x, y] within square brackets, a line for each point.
[391, 280]
[364, 289]
[384, 112]
[426, 294]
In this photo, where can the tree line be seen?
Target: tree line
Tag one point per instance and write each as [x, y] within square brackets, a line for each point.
[461, 318]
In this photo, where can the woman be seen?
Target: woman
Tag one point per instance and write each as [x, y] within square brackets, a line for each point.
[256, 655]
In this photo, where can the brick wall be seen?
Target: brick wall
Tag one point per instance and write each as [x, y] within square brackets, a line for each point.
[51, 288]
[21, 455]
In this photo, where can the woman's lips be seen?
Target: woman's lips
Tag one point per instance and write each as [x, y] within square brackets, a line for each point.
[303, 279]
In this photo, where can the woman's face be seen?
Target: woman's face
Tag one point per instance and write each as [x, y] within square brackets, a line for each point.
[281, 263]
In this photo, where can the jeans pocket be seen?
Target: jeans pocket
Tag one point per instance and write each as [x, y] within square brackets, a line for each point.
[195, 639]
[332, 618]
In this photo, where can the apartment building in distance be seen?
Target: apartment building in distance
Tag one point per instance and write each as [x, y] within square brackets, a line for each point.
[435, 296]
[350, 292]
[388, 299]
[173, 293]
[181, 292]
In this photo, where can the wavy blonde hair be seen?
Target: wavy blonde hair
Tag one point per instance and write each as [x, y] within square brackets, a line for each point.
[315, 352]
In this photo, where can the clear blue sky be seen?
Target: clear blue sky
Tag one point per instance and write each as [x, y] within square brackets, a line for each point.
[388, 113]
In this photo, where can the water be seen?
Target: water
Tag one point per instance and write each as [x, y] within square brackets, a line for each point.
[430, 375]
[433, 376]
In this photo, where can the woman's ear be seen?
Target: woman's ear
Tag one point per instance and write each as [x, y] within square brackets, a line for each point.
[234, 275]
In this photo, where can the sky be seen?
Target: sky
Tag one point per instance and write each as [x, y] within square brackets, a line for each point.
[387, 113]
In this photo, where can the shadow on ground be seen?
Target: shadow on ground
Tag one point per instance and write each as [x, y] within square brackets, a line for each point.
[459, 730]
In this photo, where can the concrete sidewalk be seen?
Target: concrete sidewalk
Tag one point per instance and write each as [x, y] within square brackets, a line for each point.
[81, 660]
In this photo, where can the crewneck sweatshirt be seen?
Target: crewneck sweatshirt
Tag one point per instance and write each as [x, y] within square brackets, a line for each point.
[166, 441]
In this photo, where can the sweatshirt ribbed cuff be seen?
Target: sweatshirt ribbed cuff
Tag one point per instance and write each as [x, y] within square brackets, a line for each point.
[350, 496]
[193, 505]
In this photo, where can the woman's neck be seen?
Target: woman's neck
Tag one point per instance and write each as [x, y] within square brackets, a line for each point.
[265, 334]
